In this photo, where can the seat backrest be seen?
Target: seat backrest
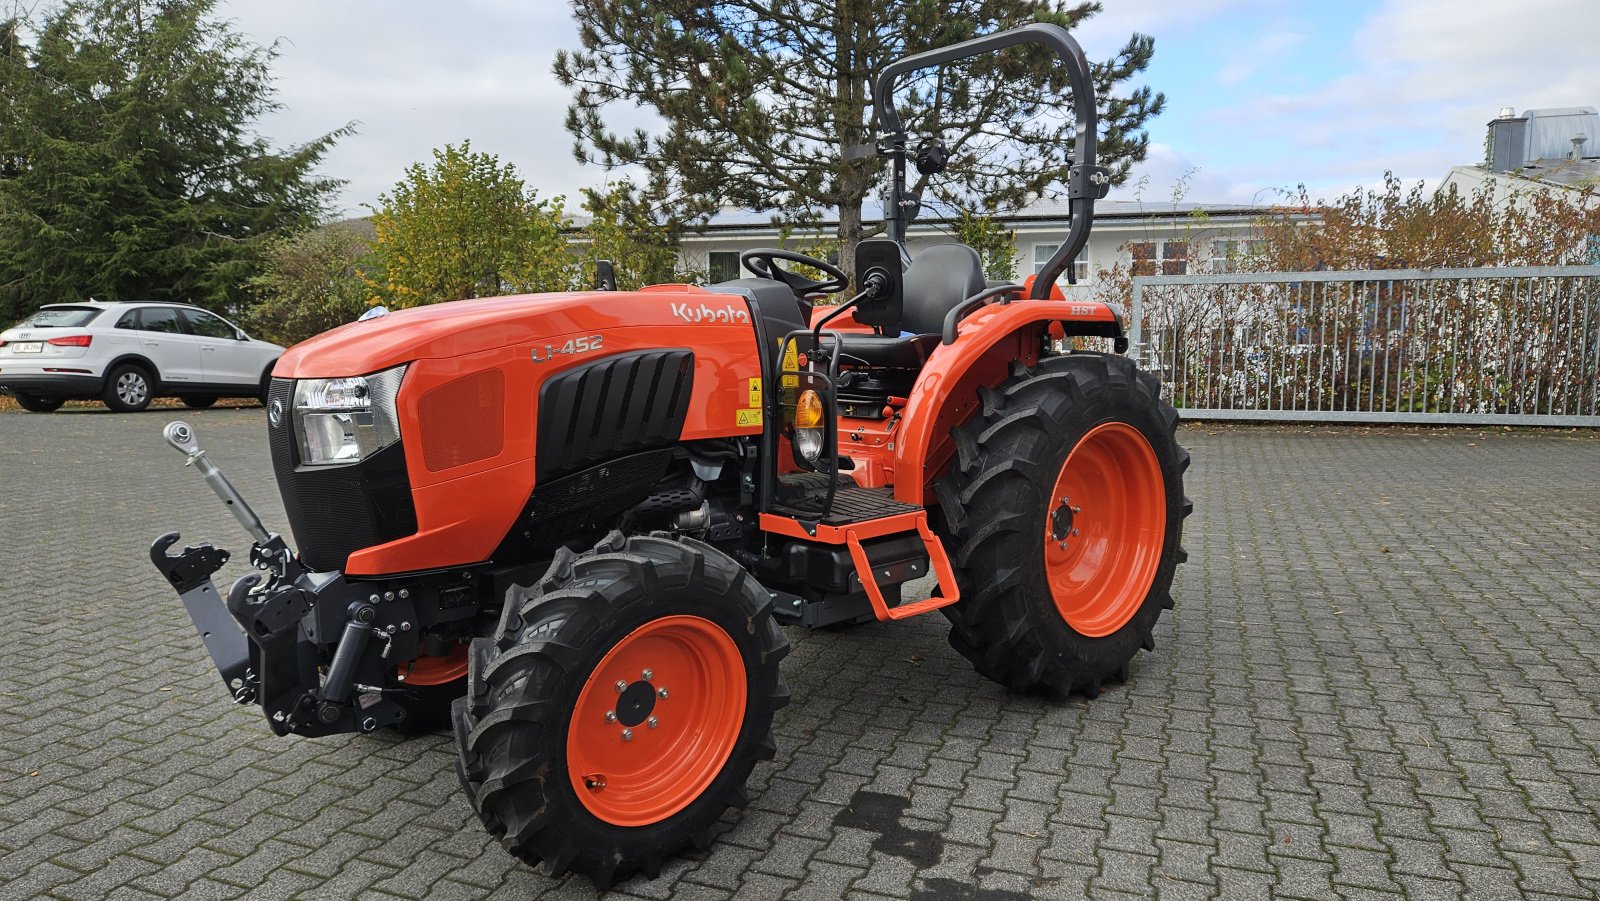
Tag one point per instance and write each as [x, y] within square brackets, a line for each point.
[938, 278]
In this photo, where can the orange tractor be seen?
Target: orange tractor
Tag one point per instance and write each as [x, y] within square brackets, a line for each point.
[571, 525]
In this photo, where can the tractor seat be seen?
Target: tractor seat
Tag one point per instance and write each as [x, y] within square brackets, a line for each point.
[884, 351]
[939, 278]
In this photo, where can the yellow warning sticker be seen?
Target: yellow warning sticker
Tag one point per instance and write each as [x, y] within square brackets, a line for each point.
[791, 360]
[755, 392]
[749, 417]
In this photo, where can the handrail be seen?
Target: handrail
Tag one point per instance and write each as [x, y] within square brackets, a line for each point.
[954, 317]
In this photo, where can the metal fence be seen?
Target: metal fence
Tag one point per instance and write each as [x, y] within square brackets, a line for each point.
[1517, 346]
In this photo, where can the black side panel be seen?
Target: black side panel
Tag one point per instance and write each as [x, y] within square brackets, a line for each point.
[612, 407]
[337, 510]
[573, 506]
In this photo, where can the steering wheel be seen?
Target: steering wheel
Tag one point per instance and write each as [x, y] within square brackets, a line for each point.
[763, 262]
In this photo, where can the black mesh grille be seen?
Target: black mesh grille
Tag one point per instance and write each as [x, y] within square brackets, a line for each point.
[612, 407]
[337, 510]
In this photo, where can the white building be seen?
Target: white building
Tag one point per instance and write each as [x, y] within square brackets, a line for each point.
[1168, 238]
[1556, 150]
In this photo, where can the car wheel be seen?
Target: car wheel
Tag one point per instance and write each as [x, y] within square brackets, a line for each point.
[36, 404]
[128, 389]
[197, 401]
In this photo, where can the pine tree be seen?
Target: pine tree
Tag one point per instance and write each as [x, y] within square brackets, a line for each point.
[759, 99]
[129, 164]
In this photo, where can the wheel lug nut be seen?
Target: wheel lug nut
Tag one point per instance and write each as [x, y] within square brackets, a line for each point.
[1077, 509]
[611, 716]
[621, 686]
[661, 692]
[648, 675]
[1074, 530]
[627, 735]
[653, 722]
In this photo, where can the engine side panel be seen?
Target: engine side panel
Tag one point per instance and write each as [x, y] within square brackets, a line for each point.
[464, 511]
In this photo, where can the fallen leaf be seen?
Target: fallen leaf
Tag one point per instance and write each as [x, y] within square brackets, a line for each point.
[34, 773]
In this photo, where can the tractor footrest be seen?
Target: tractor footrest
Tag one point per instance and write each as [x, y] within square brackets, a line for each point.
[851, 534]
[851, 504]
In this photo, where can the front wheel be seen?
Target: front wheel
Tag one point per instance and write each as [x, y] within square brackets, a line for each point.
[621, 706]
[35, 404]
[1065, 504]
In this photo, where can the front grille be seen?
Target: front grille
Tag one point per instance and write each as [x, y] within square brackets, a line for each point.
[335, 511]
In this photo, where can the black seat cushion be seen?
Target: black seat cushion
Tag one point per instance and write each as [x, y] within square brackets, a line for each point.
[883, 351]
[939, 278]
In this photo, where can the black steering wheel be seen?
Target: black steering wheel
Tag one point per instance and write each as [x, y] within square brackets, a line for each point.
[763, 262]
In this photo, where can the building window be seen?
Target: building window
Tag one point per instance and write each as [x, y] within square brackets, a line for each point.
[1043, 252]
[1160, 257]
[724, 266]
[1229, 254]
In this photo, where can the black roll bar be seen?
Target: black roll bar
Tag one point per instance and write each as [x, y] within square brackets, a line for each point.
[1086, 182]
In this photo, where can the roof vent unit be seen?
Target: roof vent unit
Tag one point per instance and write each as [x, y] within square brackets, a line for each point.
[1508, 142]
[1552, 133]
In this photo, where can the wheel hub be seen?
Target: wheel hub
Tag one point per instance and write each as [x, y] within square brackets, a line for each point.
[1100, 565]
[636, 753]
[636, 704]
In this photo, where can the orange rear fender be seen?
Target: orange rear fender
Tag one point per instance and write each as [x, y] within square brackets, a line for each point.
[946, 392]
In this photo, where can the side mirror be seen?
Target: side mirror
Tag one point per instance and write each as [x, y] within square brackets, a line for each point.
[239, 335]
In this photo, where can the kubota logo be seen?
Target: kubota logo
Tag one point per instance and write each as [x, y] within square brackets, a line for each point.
[703, 313]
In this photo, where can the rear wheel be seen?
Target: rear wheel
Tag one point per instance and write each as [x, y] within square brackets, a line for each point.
[197, 401]
[1066, 507]
[621, 706]
[128, 389]
[36, 404]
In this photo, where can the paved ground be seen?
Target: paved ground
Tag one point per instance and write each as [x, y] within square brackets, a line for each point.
[1380, 680]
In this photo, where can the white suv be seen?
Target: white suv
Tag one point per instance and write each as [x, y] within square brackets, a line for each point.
[128, 353]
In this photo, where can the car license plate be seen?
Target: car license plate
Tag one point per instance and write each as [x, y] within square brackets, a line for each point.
[28, 347]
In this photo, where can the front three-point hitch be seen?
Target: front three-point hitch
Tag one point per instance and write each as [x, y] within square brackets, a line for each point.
[310, 648]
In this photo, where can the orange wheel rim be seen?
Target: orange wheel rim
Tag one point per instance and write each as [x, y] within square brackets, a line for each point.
[1104, 527]
[656, 721]
[427, 670]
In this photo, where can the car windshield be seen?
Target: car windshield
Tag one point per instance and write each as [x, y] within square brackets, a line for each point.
[60, 317]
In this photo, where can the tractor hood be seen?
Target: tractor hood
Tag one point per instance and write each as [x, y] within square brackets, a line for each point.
[470, 326]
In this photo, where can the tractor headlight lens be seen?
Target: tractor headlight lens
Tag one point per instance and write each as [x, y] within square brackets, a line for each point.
[346, 420]
[809, 435]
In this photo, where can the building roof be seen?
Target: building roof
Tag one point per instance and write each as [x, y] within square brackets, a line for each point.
[1563, 173]
[1040, 212]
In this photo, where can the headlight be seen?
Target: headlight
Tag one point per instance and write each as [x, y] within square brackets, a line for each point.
[347, 420]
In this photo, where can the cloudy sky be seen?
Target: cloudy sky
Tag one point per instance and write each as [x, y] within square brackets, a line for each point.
[1262, 94]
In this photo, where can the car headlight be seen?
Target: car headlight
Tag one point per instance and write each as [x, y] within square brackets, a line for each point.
[346, 420]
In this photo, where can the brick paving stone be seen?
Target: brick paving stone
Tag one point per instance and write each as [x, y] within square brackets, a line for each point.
[1381, 680]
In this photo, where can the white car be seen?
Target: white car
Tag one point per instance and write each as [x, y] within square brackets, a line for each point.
[128, 353]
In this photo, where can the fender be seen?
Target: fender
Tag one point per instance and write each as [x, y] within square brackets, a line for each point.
[987, 343]
[140, 360]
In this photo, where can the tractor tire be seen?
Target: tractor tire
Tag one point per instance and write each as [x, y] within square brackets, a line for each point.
[129, 388]
[36, 404]
[1064, 506]
[571, 748]
[198, 401]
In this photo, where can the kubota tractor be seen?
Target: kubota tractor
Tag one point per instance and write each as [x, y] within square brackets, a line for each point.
[571, 525]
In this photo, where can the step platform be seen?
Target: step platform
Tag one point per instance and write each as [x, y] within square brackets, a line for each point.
[859, 514]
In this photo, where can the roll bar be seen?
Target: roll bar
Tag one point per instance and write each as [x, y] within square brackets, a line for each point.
[1086, 182]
